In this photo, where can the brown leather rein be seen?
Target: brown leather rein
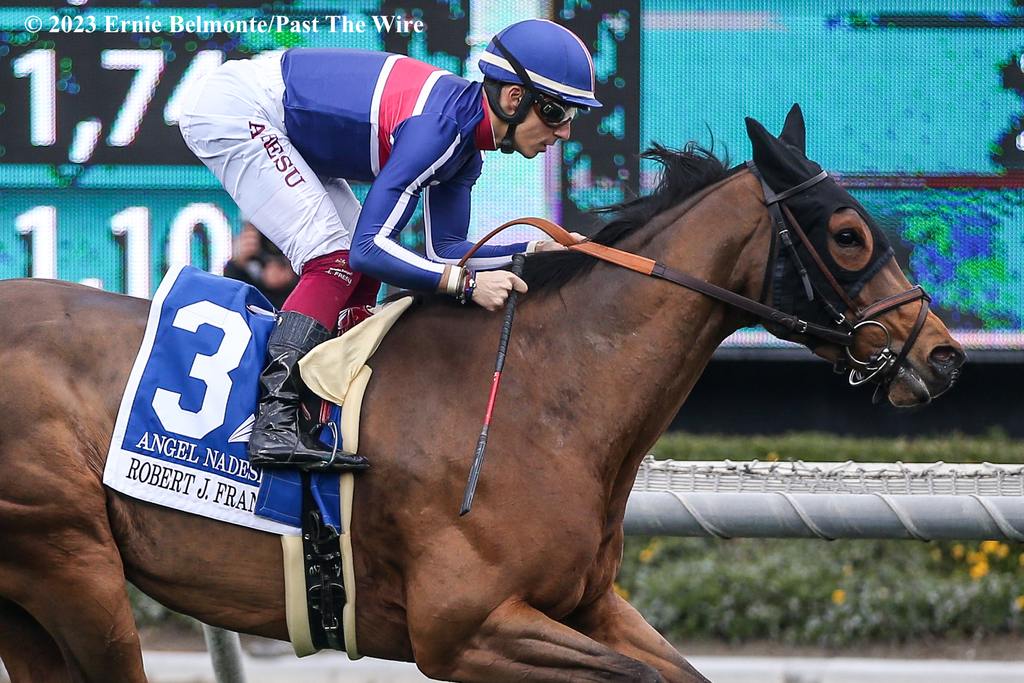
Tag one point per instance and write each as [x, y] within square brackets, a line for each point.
[882, 366]
[652, 268]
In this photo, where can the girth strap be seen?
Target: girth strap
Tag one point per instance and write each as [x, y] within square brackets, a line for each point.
[325, 590]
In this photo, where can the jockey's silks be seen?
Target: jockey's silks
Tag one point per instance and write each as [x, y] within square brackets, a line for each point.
[407, 127]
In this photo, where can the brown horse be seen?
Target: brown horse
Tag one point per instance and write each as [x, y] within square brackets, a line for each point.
[600, 361]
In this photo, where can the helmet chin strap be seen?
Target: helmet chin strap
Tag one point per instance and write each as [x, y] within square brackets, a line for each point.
[493, 92]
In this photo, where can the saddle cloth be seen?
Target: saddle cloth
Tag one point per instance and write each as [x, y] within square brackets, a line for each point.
[181, 434]
[187, 411]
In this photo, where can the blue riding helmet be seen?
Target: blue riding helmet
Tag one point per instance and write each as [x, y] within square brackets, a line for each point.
[555, 61]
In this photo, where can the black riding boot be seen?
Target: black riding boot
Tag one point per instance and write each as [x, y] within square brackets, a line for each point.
[277, 440]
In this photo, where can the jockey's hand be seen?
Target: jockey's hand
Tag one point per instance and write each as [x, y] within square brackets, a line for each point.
[493, 287]
[551, 245]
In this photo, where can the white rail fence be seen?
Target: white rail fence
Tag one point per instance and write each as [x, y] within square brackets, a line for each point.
[756, 499]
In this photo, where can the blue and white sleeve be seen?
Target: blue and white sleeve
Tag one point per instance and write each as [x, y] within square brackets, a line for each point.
[446, 223]
[422, 146]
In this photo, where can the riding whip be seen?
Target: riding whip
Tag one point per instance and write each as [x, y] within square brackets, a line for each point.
[481, 444]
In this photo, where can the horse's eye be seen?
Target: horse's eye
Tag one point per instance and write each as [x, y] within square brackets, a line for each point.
[847, 238]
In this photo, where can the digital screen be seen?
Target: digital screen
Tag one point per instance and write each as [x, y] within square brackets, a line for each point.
[917, 107]
[96, 183]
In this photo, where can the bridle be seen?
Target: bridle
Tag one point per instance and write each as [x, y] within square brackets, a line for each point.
[882, 367]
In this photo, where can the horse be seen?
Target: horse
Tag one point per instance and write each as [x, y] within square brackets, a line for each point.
[600, 361]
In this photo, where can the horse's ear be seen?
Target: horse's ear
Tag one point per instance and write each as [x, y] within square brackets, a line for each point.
[794, 132]
[764, 143]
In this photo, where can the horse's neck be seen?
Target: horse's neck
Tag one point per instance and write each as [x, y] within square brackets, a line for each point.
[643, 343]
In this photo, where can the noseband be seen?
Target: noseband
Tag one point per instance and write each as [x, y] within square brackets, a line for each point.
[882, 366]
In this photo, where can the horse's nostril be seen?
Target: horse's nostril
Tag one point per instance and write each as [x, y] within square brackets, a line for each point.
[946, 359]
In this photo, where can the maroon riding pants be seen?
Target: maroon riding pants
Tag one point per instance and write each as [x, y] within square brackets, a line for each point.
[328, 286]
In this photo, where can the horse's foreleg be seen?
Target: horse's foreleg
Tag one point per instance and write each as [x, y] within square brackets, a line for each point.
[613, 621]
[516, 643]
[28, 652]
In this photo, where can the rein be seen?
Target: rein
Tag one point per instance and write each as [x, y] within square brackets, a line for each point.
[652, 268]
[883, 365]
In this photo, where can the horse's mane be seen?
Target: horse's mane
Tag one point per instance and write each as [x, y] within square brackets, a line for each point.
[684, 173]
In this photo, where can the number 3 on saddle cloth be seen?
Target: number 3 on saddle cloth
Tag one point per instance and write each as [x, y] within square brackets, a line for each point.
[181, 435]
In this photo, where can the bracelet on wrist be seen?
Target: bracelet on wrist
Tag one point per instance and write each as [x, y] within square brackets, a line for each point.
[452, 281]
[467, 289]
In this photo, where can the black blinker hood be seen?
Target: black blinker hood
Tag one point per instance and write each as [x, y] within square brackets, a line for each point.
[783, 164]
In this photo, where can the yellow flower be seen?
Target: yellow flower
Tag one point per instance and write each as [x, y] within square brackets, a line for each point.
[620, 591]
[989, 547]
[772, 457]
[976, 558]
[1019, 603]
[979, 570]
[958, 552]
[648, 553]
[1002, 551]
[1020, 560]
[936, 554]
[838, 596]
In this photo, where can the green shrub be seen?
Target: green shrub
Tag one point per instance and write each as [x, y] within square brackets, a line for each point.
[808, 592]
[828, 594]
[814, 446]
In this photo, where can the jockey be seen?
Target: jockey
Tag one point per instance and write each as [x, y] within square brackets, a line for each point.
[283, 132]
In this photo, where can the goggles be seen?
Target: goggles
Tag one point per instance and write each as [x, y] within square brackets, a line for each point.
[554, 113]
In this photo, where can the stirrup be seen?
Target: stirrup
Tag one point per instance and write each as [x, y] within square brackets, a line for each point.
[338, 459]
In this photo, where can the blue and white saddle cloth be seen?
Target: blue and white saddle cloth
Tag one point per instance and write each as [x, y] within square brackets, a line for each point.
[187, 412]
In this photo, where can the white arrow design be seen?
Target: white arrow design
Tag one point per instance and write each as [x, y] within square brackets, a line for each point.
[243, 431]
